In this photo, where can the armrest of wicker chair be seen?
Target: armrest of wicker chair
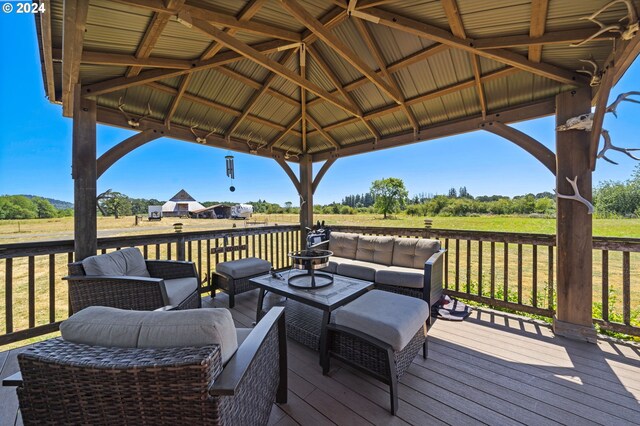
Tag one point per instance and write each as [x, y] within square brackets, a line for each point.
[170, 269]
[433, 276]
[124, 292]
[260, 363]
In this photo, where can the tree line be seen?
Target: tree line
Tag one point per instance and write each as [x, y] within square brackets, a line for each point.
[21, 207]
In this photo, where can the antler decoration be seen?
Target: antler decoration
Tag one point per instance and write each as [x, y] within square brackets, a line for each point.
[596, 74]
[621, 98]
[253, 149]
[626, 32]
[576, 195]
[288, 156]
[132, 121]
[198, 138]
[608, 145]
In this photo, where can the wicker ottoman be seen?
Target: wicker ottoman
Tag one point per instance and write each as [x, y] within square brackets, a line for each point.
[380, 333]
[233, 276]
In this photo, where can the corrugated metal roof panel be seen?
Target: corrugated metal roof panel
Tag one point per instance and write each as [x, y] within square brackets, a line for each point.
[193, 114]
[489, 65]
[350, 36]
[257, 134]
[95, 73]
[434, 108]
[370, 98]
[286, 87]
[397, 45]
[495, 18]
[180, 42]
[274, 14]
[568, 13]
[429, 11]
[275, 110]
[112, 27]
[391, 124]
[316, 75]
[570, 58]
[316, 142]
[218, 87]
[230, 7]
[326, 113]
[342, 68]
[346, 135]
[250, 69]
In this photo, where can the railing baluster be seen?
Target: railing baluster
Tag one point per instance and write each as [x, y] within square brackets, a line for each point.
[493, 270]
[480, 268]
[52, 288]
[505, 283]
[190, 250]
[168, 251]
[468, 266]
[626, 287]
[253, 245]
[520, 274]
[246, 243]
[605, 285]
[145, 251]
[550, 280]
[32, 292]
[457, 264]
[446, 263]
[200, 258]
[271, 257]
[208, 257]
[8, 294]
[534, 275]
[157, 251]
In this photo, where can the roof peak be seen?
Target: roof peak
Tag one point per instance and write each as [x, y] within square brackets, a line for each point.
[182, 195]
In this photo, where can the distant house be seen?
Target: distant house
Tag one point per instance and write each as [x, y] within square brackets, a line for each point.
[218, 211]
[181, 204]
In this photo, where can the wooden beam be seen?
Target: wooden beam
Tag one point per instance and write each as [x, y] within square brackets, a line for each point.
[74, 23]
[371, 43]
[574, 225]
[303, 98]
[145, 77]
[116, 59]
[524, 141]
[439, 35]
[304, 17]
[323, 170]
[173, 106]
[564, 37]
[306, 194]
[151, 36]
[289, 128]
[477, 75]
[365, 4]
[107, 159]
[324, 134]
[257, 95]
[83, 171]
[261, 59]
[525, 112]
[294, 179]
[539, 10]
[47, 55]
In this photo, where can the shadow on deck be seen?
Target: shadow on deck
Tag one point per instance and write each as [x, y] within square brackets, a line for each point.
[493, 368]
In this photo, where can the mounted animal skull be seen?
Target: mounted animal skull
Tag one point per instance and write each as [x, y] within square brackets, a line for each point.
[132, 121]
[576, 194]
[627, 32]
[198, 138]
[581, 122]
[596, 74]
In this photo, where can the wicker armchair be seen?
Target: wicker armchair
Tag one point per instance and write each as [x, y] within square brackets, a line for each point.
[134, 292]
[63, 383]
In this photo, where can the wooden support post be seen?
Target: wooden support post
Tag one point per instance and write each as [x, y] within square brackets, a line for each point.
[306, 194]
[573, 317]
[84, 175]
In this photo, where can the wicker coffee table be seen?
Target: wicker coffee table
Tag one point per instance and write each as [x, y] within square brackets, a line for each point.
[308, 311]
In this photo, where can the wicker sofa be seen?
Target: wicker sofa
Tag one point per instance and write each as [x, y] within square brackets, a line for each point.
[410, 266]
[124, 279]
[142, 378]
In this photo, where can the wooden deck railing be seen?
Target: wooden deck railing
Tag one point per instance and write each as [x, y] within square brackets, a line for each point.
[33, 296]
[504, 270]
[517, 271]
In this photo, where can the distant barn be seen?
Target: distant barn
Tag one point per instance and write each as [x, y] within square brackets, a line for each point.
[218, 211]
[181, 205]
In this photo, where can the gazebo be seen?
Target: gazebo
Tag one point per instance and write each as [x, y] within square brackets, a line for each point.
[304, 82]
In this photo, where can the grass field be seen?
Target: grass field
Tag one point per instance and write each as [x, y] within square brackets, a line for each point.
[55, 229]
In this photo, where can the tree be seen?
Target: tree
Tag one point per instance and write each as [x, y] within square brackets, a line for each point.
[44, 209]
[117, 204]
[453, 193]
[390, 195]
[288, 206]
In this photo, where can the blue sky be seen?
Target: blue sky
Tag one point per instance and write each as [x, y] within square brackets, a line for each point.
[35, 151]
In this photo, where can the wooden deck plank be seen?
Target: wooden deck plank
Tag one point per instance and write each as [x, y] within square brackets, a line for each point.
[494, 368]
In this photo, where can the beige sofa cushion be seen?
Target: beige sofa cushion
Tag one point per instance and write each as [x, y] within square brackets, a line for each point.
[178, 289]
[125, 262]
[392, 318]
[413, 252]
[343, 244]
[358, 269]
[375, 249]
[242, 268]
[401, 277]
[111, 327]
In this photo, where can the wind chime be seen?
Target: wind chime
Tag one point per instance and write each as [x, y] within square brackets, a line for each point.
[230, 171]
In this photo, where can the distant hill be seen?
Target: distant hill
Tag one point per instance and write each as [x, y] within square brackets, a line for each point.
[58, 204]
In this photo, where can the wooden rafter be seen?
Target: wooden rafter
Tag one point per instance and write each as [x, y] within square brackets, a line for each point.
[371, 43]
[257, 95]
[288, 129]
[116, 59]
[324, 134]
[304, 17]
[247, 13]
[151, 36]
[188, 11]
[525, 112]
[439, 35]
[288, 171]
[323, 170]
[364, 4]
[564, 37]
[539, 10]
[47, 54]
[145, 77]
[338, 84]
[251, 53]
[457, 29]
[303, 97]
[118, 151]
[74, 23]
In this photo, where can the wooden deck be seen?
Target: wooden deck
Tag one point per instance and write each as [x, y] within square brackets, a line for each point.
[493, 368]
